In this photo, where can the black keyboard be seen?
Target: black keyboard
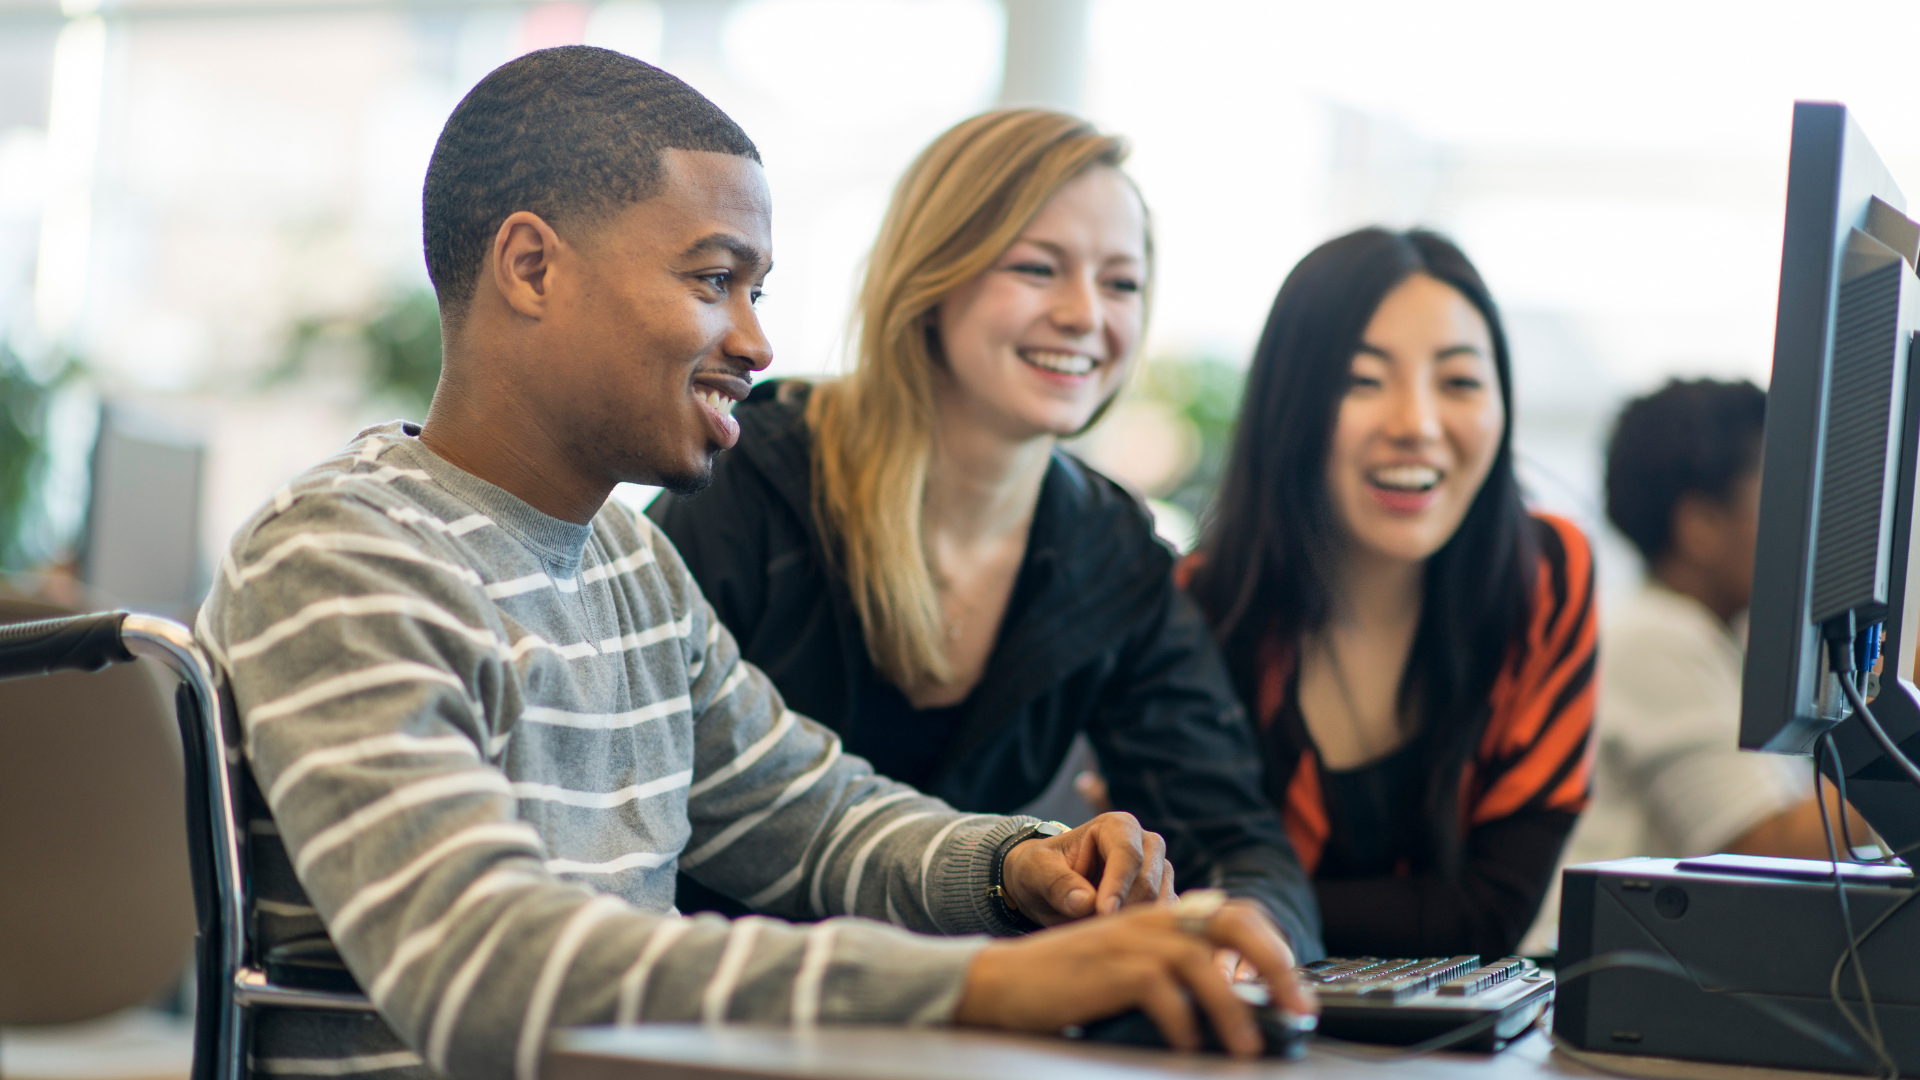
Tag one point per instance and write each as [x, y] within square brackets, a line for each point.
[1402, 1002]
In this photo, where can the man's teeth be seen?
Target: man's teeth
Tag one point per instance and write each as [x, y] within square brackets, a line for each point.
[720, 402]
[1065, 363]
[1405, 477]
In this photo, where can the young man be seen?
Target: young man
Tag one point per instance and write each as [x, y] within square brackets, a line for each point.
[1683, 483]
[489, 713]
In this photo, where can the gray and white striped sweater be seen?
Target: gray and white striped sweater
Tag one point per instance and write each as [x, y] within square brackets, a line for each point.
[488, 738]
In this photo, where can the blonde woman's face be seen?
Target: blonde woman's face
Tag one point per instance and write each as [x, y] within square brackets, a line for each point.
[1035, 344]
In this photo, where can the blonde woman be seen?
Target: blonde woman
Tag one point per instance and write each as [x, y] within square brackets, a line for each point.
[912, 559]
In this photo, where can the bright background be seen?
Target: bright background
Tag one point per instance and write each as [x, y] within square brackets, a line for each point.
[213, 205]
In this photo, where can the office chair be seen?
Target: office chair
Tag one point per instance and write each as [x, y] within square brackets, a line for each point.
[232, 981]
[96, 906]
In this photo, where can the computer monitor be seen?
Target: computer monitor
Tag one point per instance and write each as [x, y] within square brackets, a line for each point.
[1837, 491]
[141, 547]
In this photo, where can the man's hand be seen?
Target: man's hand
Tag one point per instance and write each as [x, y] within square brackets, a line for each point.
[1137, 959]
[1051, 878]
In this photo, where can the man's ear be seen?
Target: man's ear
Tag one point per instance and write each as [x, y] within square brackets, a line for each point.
[521, 263]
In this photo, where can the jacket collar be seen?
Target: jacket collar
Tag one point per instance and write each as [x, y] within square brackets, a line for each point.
[1092, 564]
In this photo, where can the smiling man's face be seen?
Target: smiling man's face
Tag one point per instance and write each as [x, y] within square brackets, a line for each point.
[654, 336]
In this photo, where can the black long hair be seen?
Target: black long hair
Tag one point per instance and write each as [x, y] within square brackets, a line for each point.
[1271, 542]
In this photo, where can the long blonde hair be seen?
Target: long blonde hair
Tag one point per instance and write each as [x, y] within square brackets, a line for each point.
[961, 204]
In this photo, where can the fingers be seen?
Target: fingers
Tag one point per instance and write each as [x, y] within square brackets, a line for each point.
[1154, 869]
[1291, 994]
[1232, 1019]
[1246, 929]
[1167, 895]
[1229, 964]
[1122, 849]
[1169, 1010]
[1098, 968]
[1067, 893]
[1044, 884]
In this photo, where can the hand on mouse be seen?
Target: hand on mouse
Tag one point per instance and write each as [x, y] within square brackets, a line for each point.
[1140, 958]
[1052, 879]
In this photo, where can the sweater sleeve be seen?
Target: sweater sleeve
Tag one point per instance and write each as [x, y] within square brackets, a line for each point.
[369, 673]
[787, 822]
[1177, 750]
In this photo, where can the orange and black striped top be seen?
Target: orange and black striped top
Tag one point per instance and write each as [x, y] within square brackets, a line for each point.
[1518, 796]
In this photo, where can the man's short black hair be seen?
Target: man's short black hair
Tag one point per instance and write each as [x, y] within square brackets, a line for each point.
[571, 134]
[1689, 437]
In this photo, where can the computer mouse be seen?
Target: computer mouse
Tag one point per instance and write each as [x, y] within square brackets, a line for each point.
[1286, 1032]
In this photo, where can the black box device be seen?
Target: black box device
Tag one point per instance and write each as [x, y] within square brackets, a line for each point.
[1743, 929]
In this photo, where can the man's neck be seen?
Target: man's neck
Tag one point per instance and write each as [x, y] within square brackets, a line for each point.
[1698, 583]
[493, 436]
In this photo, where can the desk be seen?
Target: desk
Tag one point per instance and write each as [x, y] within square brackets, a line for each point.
[692, 1052]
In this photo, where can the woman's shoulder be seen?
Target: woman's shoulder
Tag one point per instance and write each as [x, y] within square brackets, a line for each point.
[1565, 569]
[1565, 537]
[1092, 505]
[1563, 619]
[775, 442]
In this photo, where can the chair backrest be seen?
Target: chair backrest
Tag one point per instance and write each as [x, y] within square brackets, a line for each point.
[96, 895]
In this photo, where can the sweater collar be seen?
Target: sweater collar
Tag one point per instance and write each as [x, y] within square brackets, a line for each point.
[559, 543]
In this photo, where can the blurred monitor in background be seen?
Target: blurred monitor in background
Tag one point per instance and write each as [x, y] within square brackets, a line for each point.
[142, 541]
[1670, 780]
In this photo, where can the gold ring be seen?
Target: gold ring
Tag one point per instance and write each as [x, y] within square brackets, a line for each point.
[1196, 908]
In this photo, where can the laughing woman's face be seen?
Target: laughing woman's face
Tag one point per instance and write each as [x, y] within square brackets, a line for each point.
[1420, 424]
[1035, 344]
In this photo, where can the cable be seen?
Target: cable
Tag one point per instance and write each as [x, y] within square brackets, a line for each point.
[1870, 1032]
[1840, 785]
[1887, 745]
[1841, 661]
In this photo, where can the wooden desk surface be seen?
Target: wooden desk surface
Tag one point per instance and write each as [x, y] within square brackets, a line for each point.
[693, 1052]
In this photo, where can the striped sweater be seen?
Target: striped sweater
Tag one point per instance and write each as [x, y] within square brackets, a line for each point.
[484, 740]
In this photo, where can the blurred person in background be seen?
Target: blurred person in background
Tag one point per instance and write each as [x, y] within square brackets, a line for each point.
[1417, 649]
[1683, 483]
[909, 555]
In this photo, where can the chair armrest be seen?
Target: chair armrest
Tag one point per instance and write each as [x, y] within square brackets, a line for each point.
[79, 643]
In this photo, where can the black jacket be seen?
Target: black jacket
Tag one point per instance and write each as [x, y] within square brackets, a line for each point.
[1098, 641]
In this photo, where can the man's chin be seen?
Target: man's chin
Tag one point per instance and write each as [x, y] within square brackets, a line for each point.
[689, 482]
[688, 486]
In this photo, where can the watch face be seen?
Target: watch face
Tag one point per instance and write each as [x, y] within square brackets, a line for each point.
[1050, 828]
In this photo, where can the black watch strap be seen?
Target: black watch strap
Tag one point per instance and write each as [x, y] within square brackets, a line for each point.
[997, 897]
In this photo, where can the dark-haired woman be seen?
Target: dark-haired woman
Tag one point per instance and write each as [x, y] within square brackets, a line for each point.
[1417, 649]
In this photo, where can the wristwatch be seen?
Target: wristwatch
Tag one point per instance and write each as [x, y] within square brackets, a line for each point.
[997, 897]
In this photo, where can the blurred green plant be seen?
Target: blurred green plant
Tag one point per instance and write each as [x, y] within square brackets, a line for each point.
[1206, 392]
[26, 398]
[398, 342]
